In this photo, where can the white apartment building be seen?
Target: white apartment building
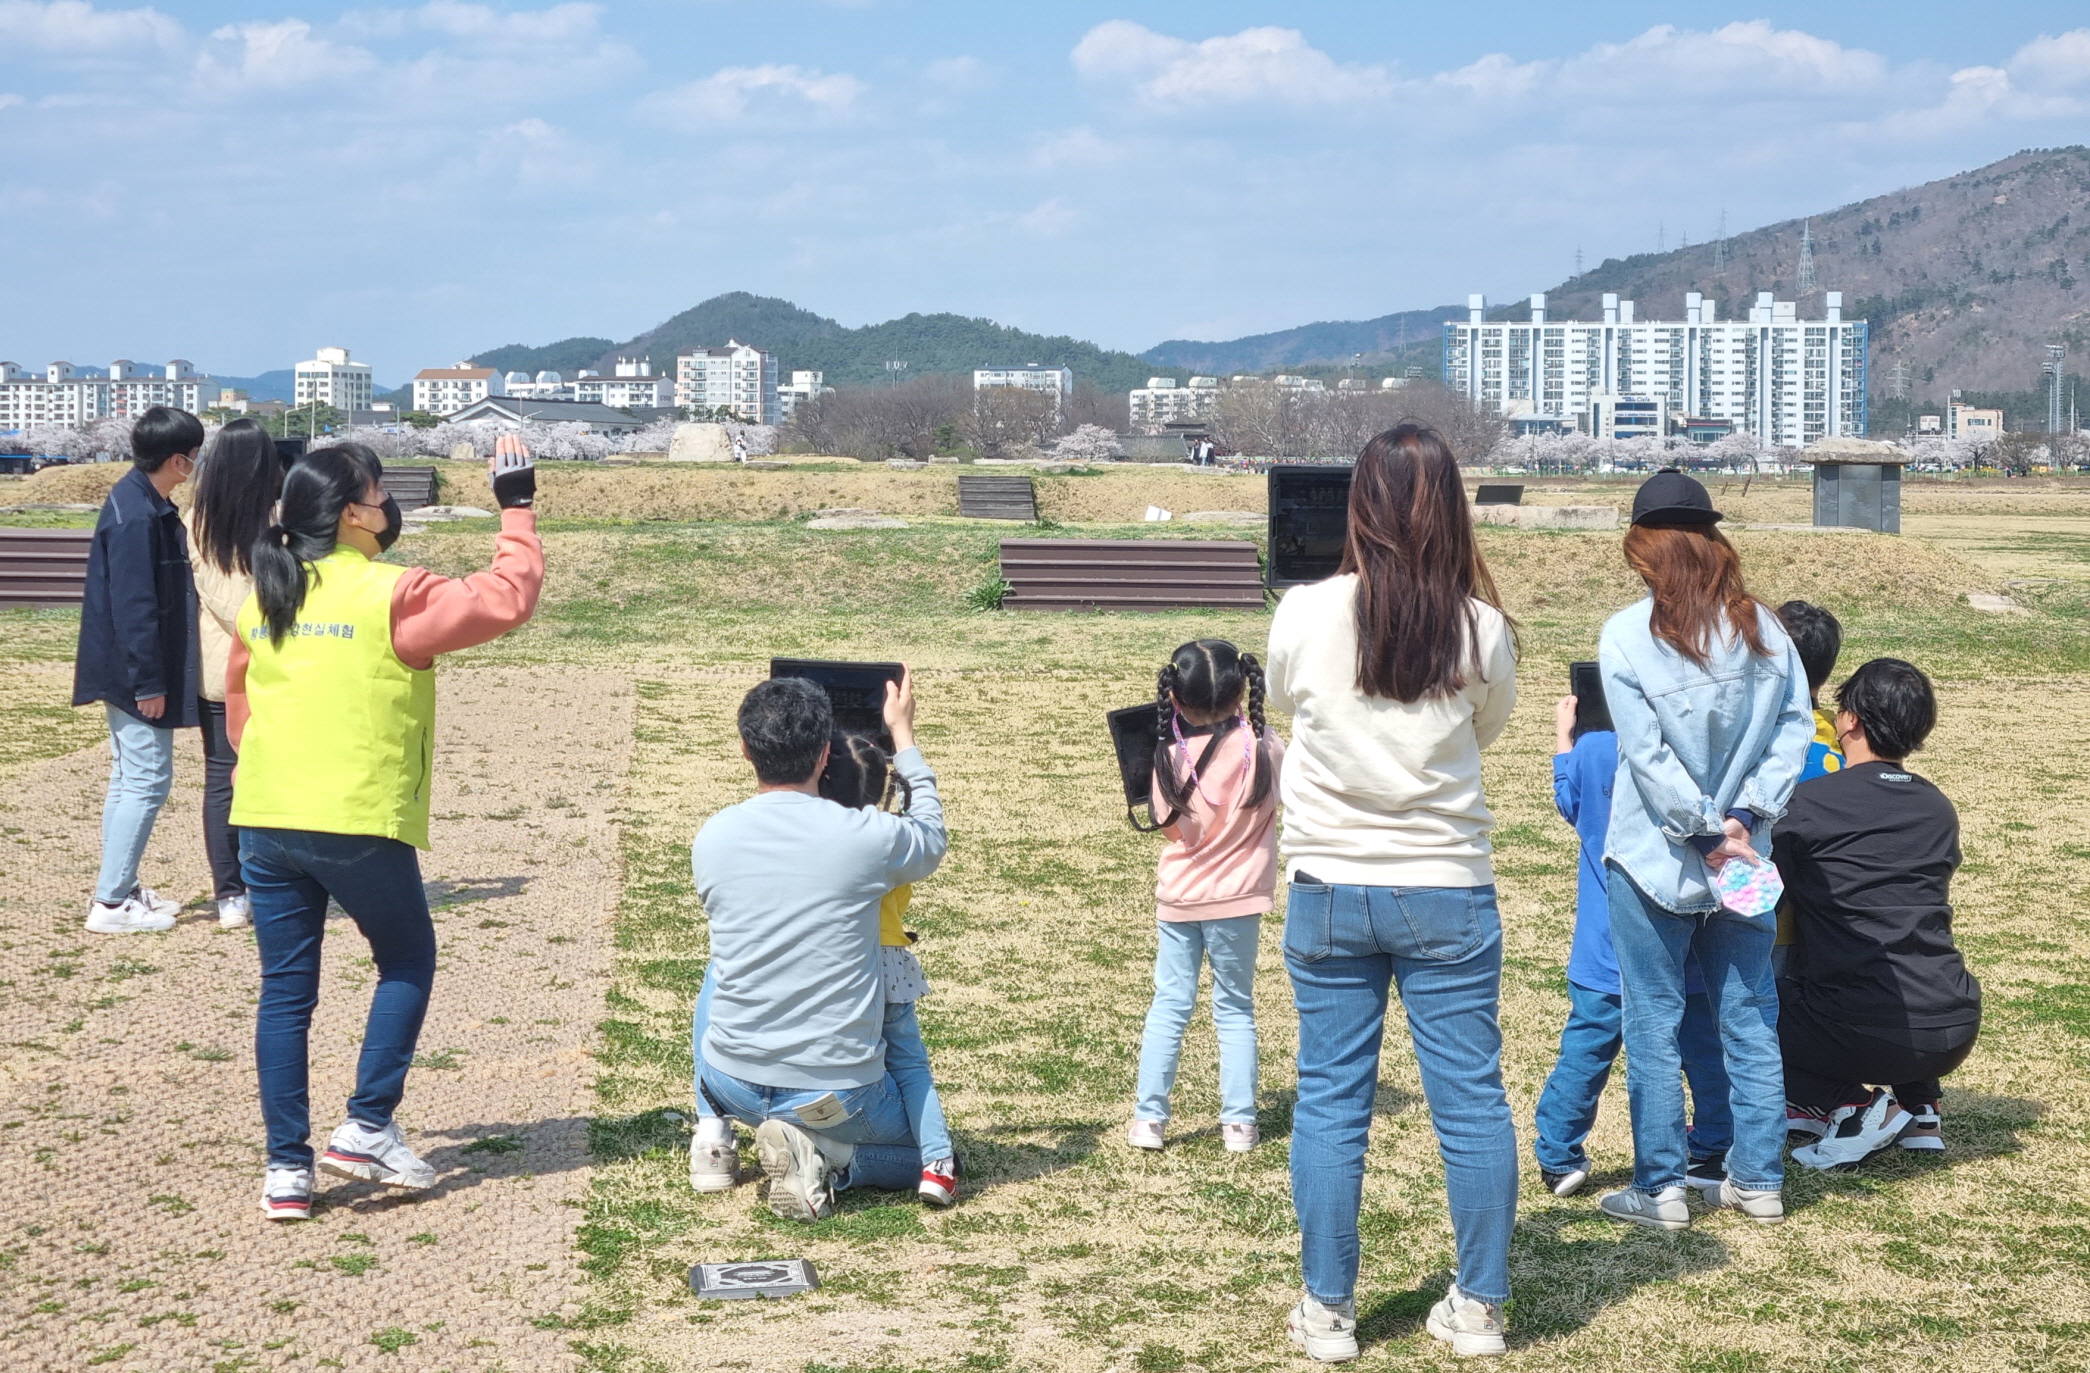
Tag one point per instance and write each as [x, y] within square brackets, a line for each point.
[634, 383]
[329, 378]
[804, 386]
[65, 394]
[1057, 382]
[447, 390]
[1161, 401]
[1786, 380]
[738, 377]
[543, 386]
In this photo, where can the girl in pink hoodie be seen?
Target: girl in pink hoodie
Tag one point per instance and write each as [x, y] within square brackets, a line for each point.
[1215, 781]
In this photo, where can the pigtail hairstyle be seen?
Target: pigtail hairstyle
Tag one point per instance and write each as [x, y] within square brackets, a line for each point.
[859, 774]
[315, 492]
[1258, 694]
[1207, 676]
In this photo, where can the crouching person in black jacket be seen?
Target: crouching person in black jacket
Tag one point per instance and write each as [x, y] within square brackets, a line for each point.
[138, 658]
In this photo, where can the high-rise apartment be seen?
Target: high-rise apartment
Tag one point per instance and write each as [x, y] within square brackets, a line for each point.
[738, 377]
[329, 378]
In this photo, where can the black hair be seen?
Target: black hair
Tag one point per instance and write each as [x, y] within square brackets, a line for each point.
[315, 492]
[785, 722]
[1818, 636]
[1893, 700]
[859, 773]
[236, 488]
[160, 433]
[1208, 675]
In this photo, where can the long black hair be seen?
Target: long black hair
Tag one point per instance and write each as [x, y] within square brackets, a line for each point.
[860, 774]
[324, 483]
[236, 487]
[1209, 675]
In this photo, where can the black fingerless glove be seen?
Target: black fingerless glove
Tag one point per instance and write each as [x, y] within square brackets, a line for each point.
[515, 489]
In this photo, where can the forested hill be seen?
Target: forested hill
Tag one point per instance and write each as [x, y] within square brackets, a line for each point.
[1408, 336]
[848, 357]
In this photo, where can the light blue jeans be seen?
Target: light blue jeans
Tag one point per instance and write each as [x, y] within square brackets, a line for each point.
[886, 1154]
[1441, 947]
[141, 773]
[1183, 946]
[1589, 1044]
[1735, 953]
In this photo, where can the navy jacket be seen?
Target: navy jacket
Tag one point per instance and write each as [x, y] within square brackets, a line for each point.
[138, 620]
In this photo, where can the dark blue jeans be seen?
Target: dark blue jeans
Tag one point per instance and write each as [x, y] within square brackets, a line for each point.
[1589, 1043]
[289, 875]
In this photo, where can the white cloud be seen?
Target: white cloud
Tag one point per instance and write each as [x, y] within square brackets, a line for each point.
[482, 26]
[953, 74]
[276, 55]
[74, 26]
[2059, 61]
[1258, 65]
[730, 93]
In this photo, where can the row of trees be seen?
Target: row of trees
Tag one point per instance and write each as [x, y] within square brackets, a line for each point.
[927, 415]
[1284, 422]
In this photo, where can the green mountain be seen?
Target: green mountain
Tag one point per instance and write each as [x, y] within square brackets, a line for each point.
[803, 340]
[1407, 338]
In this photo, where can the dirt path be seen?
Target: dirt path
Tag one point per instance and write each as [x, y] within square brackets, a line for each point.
[130, 1141]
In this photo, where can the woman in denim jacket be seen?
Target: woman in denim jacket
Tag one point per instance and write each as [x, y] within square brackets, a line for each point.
[1713, 721]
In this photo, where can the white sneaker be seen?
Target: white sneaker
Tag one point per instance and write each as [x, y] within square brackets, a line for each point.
[130, 916]
[381, 1156]
[160, 904]
[1144, 1134]
[1328, 1334]
[235, 912]
[1765, 1208]
[714, 1157]
[801, 1167]
[1856, 1133]
[1240, 1137]
[286, 1194]
[1926, 1132]
[1664, 1210]
[1470, 1327]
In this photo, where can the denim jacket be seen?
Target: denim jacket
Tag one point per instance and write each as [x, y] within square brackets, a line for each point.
[1694, 743]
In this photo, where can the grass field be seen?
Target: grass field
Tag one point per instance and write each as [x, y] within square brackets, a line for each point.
[1069, 1251]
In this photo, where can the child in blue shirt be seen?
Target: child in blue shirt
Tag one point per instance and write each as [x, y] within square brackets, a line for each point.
[1584, 767]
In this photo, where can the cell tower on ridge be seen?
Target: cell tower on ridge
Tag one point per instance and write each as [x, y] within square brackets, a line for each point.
[1806, 256]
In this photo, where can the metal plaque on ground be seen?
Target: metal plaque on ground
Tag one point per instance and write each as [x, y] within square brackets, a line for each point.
[754, 1278]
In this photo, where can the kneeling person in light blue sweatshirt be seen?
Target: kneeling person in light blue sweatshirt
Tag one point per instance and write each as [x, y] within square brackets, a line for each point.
[791, 885]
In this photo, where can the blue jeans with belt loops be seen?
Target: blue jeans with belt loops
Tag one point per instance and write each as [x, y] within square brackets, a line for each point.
[1441, 948]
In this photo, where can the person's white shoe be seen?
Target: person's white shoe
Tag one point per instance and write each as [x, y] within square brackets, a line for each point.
[1663, 1210]
[129, 916]
[235, 912]
[1564, 1184]
[1765, 1208]
[1926, 1132]
[800, 1168]
[714, 1156]
[1470, 1327]
[163, 905]
[381, 1156]
[1328, 1334]
[1856, 1133]
[1239, 1137]
[1144, 1134]
[286, 1194]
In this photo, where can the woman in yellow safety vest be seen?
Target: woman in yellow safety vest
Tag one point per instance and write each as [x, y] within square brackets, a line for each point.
[330, 701]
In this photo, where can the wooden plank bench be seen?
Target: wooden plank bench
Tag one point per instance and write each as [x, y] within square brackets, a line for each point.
[1131, 574]
[412, 487]
[998, 498]
[43, 567]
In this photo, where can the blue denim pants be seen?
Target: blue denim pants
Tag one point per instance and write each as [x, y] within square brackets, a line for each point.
[1589, 1044]
[1735, 953]
[1441, 948]
[289, 876]
[886, 1154]
[1183, 947]
[141, 773]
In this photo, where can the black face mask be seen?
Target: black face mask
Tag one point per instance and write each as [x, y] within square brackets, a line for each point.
[390, 534]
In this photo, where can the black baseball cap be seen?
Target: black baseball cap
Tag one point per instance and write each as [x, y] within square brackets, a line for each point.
[1671, 497]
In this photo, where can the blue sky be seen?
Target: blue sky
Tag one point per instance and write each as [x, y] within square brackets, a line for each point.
[241, 181]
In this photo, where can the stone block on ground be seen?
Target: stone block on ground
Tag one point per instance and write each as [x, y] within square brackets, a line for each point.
[1549, 516]
[700, 443]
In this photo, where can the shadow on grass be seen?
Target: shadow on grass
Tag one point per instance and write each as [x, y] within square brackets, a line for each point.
[445, 894]
[485, 1151]
[989, 1162]
[1977, 1126]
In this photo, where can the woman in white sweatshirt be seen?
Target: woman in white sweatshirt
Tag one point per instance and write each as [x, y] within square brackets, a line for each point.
[1397, 672]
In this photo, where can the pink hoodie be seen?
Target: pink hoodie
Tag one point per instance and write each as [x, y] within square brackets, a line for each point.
[1223, 862]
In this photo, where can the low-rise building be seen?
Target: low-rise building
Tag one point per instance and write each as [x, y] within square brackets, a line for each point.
[64, 394]
[634, 383]
[804, 386]
[511, 412]
[739, 378]
[543, 386]
[1972, 422]
[1161, 401]
[1057, 382]
[446, 390]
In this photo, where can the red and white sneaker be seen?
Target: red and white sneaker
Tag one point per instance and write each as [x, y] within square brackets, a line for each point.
[286, 1194]
[381, 1156]
[940, 1181]
[1804, 1124]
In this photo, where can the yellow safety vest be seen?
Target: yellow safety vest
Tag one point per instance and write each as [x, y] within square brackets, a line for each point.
[341, 731]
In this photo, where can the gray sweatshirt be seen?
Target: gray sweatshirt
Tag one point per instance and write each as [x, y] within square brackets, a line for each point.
[791, 885]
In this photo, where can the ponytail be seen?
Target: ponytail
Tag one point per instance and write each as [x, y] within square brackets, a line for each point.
[322, 485]
[1258, 693]
[1171, 787]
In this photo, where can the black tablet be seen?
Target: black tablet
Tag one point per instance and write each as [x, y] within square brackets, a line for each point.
[1586, 685]
[855, 690]
[1132, 735]
[1309, 523]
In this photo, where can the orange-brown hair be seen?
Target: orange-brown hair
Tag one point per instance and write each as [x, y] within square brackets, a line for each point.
[1418, 565]
[1696, 578]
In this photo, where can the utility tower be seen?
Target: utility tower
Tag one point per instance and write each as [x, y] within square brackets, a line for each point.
[2056, 367]
[1720, 246]
[1898, 381]
[1806, 256]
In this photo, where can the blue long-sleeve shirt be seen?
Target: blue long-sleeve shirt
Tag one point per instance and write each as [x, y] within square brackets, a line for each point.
[1582, 781]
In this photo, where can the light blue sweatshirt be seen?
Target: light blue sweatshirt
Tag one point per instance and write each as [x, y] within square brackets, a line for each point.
[791, 885]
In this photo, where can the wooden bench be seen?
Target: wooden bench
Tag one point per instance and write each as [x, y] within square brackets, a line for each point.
[998, 498]
[1131, 574]
[412, 487]
[43, 567]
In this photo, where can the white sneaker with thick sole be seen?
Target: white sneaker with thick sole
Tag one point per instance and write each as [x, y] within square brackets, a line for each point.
[1470, 1327]
[381, 1156]
[1856, 1133]
[162, 904]
[714, 1156]
[129, 916]
[1926, 1132]
[1765, 1208]
[1240, 1138]
[800, 1167]
[1328, 1334]
[234, 912]
[286, 1194]
[1144, 1134]
[1664, 1210]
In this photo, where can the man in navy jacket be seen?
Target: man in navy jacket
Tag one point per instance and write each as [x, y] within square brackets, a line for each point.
[138, 657]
